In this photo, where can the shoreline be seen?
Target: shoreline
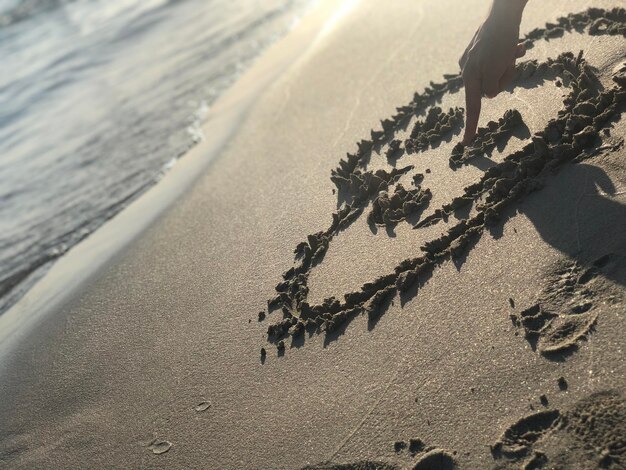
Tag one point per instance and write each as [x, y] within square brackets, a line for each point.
[117, 157]
[74, 269]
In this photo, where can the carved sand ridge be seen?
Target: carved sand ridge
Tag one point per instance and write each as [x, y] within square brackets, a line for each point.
[434, 129]
[573, 135]
[487, 138]
[388, 210]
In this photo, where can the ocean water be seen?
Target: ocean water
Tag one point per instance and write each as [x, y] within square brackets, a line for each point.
[98, 99]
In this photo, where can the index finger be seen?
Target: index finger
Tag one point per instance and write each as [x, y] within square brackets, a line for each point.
[473, 95]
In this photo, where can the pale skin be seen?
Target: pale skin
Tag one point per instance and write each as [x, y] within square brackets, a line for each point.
[488, 63]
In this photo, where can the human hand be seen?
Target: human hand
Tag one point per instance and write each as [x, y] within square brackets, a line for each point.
[488, 63]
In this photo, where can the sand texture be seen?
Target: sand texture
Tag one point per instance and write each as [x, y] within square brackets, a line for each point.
[347, 287]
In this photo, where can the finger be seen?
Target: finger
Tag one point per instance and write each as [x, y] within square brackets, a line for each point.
[520, 50]
[473, 92]
[508, 76]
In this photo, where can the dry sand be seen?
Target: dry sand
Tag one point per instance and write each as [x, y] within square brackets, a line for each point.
[484, 326]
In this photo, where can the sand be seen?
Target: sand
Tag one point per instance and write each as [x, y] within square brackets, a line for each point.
[412, 304]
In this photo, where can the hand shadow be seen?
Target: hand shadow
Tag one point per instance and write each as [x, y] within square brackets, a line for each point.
[576, 214]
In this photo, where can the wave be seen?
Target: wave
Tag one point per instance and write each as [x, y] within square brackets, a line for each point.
[25, 9]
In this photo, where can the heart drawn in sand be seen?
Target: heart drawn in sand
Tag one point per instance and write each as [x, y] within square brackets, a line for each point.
[571, 136]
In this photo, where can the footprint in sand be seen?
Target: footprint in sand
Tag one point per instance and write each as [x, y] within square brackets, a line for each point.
[398, 195]
[435, 459]
[567, 309]
[428, 458]
[518, 439]
[591, 434]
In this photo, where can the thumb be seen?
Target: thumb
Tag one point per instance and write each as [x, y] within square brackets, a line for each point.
[520, 50]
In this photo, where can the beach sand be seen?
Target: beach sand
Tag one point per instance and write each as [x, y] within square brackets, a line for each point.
[484, 322]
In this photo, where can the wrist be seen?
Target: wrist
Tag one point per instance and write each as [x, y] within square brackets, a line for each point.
[512, 9]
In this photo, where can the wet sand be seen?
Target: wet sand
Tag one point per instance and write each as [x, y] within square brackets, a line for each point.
[346, 287]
